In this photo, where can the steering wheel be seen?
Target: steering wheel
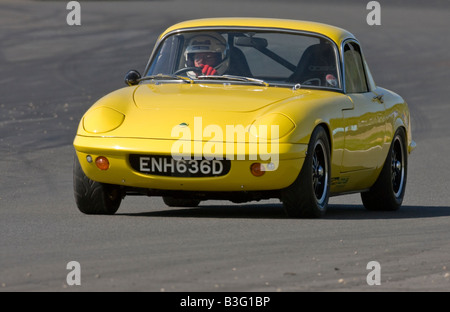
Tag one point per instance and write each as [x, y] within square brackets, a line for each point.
[197, 70]
[312, 82]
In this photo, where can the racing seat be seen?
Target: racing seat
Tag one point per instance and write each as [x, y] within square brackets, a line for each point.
[315, 64]
[238, 64]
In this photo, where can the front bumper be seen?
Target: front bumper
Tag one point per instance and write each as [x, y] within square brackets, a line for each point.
[290, 159]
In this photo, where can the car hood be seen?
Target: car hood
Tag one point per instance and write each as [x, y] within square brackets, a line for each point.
[157, 111]
[203, 98]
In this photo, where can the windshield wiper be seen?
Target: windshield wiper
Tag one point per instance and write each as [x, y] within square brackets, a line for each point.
[235, 78]
[165, 77]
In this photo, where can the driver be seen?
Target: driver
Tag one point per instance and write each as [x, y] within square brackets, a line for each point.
[208, 52]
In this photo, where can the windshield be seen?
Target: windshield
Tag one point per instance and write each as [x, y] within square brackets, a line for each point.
[275, 58]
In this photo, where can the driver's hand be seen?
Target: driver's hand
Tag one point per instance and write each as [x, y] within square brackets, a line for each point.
[208, 70]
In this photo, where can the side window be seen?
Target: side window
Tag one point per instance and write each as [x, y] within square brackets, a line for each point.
[355, 78]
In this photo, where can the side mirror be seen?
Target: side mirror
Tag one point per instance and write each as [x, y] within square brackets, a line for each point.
[132, 77]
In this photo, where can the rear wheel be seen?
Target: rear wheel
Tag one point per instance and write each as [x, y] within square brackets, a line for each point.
[308, 195]
[388, 191]
[94, 197]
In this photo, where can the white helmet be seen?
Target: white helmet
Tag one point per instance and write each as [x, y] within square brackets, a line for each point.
[208, 42]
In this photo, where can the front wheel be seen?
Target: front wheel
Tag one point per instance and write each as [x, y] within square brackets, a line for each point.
[308, 195]
[94, 197]
[388, 191]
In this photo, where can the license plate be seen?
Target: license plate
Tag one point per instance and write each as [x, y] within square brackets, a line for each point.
[168, 166]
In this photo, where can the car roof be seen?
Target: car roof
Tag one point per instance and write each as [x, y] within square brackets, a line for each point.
[334, 33]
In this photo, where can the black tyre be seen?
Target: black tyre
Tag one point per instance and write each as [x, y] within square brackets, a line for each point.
[180, 202]
[308, 196]
[93, 197]
[388, 191]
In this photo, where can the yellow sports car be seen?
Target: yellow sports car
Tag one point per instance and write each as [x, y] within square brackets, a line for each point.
[245, 109]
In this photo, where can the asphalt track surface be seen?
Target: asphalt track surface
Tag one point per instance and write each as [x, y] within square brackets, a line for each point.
[51, 73]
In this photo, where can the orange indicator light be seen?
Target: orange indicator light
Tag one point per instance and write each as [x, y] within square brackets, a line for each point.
[257, 169]
[102, 163]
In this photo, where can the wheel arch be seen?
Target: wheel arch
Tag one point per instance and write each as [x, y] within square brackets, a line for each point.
[326, 127]
[400, 124]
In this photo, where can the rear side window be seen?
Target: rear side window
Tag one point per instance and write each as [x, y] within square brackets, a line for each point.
[355, 78]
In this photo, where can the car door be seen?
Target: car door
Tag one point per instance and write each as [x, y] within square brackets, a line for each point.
[364, 123]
